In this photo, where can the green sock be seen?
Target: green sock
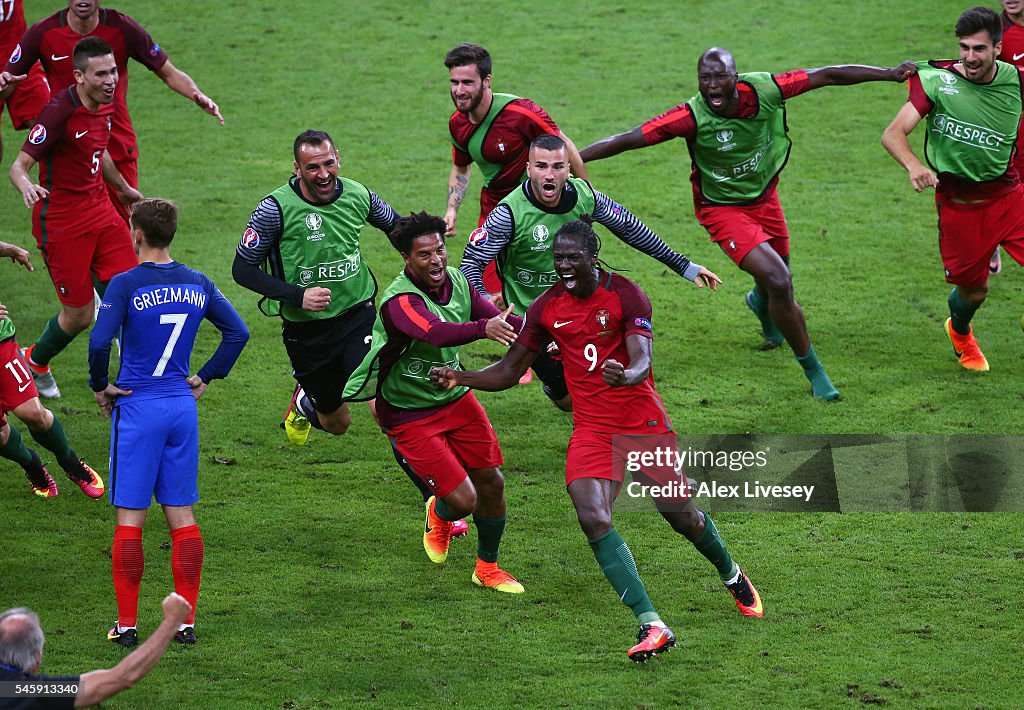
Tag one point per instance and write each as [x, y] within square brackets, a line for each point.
[51, 342]
[711, 546]
[961, 312]
[618, 566]
[442, 510]
[488, 532]
[15, 449]
[53, 440]
[821, 385]
[759, 305]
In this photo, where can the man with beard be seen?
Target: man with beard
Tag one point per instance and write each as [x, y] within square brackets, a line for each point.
[972, 108]
[494, 131]
[735, 128]
[601, 323]
[519, 233]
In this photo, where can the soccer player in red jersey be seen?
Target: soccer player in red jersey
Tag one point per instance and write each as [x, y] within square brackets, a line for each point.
[51, 41]
[973, 109]
[601, 323]
[735, 129]
[18, 395]
[83, 240]
[32, 93]
[494, 131]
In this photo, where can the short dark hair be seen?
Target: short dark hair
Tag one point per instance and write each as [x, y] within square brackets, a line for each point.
[311, 137]
[466, 54]
[158, 220]
[977, 19]
[581, 229]
[415, 225]
[548, 141]
[86, 49]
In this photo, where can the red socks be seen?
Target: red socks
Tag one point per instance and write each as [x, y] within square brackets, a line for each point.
[128, 566]
[186, 565]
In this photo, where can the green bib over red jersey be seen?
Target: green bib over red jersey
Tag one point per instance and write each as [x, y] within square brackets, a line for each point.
[475, 145]
[526, 266]
[319, 246]
[407, 383]
[737, 158]
[972, 128]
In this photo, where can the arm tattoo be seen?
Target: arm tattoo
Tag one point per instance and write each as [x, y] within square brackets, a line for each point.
[457, 192]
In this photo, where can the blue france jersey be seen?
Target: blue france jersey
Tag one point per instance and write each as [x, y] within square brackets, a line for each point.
[158, 309]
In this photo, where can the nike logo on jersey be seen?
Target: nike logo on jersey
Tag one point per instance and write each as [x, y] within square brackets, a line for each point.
[24, 387]
[79, 134]
[559, 324]
[1018, 57]
[55, 58]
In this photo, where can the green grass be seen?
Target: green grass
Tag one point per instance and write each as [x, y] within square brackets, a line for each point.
[316, 592]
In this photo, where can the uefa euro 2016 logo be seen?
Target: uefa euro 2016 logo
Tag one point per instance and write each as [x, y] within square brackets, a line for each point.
[314, 221]
[540, 233]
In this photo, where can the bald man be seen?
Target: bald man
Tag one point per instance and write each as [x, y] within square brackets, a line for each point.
[735, 128]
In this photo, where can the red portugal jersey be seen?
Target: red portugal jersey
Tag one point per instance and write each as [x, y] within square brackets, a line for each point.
[678, 122]
[1013, 42]
[507, 143]
[1013, 53]
[12, 26]
[52, 41]
[68, 141]
[589, 331]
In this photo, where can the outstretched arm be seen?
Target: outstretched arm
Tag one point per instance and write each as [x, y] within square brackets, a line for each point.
[97, 686]
[896, 142]
[627, 227]
[184, 85]
[112, 176]
[613, 145]
[500, 376]
[858, 73]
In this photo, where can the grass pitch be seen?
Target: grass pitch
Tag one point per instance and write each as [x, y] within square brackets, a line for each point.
[316, 592]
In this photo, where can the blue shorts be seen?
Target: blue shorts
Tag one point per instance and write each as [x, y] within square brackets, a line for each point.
[154, 451]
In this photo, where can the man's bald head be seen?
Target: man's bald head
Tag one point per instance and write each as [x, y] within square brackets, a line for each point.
[718, 56]
[21, 639]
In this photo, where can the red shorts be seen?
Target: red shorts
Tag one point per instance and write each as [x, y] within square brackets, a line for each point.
[646, 456]
[129, 169]
[101, 252]
[16, 385]
[28, 99]
[442, 447]
[969, 234]
[739, 228]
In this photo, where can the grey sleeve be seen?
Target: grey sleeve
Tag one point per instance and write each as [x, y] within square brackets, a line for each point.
[262, 232]
[382, 215]
[485, 244]
[627, 227]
